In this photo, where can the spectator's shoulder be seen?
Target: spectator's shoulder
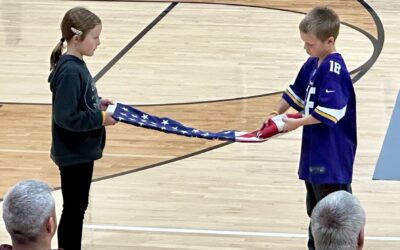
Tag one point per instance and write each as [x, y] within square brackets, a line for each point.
[5, 247]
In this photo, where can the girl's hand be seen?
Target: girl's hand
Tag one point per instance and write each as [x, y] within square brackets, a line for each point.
[109, 120]
[104, 103]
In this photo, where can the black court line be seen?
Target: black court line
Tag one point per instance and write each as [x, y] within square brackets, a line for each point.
[377, 43]
[133, 42]
[152, 165]
[211, 101]
[106, 68]
[167, 104]
[160, 163]
[359, 71]
[120, 54]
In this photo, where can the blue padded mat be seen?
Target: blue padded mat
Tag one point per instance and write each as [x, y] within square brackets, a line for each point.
[388, 165]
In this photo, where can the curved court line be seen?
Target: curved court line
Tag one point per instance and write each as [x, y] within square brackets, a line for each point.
[362, 70]
[124, 155]
[377, 43]
[166, 104]
[159, 163]
[214, 232]
[2, 150]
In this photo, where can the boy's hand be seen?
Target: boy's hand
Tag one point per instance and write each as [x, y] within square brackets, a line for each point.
[291, 124]
[104, 104]
[109, 120]
[269, 116]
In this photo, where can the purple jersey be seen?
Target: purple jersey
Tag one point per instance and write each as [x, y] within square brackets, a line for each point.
[326, 92]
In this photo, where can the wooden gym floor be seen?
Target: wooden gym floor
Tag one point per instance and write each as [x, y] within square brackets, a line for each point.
[212, 66]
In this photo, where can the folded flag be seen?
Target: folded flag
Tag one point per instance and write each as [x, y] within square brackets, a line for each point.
[133, 116]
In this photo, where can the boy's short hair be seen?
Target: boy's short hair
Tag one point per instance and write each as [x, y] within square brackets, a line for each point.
[322, 22]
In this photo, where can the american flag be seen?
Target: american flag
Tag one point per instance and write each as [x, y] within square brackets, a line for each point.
[133, 116]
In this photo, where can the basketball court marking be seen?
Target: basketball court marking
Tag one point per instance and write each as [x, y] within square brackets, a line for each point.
[377, 43]
[210, 232]
[133, 42]
[97, 225]
[213, 232]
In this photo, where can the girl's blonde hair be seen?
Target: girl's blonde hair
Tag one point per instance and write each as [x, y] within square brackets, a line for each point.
[77, 21]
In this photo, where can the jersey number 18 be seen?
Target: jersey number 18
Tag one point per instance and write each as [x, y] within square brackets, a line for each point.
[334, 67]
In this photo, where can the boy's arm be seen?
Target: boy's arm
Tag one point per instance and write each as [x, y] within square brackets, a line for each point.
[281, 108]
[295, 93]
[292, 123]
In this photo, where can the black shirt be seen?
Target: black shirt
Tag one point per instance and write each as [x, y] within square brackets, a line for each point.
[78, 135]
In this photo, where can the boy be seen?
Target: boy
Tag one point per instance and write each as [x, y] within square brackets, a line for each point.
[322, 90]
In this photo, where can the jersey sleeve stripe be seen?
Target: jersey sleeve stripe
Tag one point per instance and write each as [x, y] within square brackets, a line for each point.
[294, 97]
[332, 114]
[327, 116]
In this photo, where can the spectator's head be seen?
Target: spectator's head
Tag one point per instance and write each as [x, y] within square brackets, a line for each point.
[337, 222]
[29, 213]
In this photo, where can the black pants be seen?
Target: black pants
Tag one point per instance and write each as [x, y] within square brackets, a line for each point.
[75, 186]
[316, 193]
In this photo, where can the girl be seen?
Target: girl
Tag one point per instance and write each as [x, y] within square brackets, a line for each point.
[78, 120]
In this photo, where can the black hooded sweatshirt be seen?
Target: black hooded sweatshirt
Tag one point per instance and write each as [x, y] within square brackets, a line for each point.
[78, 135]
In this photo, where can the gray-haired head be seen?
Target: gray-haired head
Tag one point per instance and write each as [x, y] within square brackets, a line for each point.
[26, 208]
[337, 222]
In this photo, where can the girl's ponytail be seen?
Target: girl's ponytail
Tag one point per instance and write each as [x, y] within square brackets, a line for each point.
[56, 54]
